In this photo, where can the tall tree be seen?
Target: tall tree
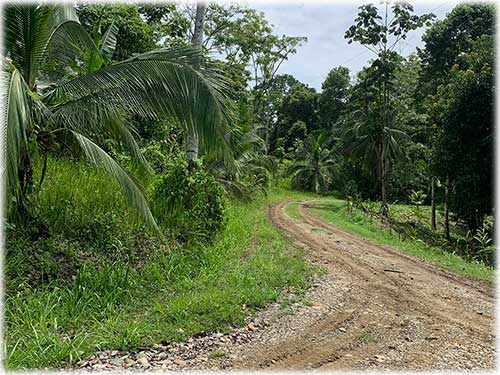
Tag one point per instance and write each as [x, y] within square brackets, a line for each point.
[279, 88]
[381, 34]
[333, 97]
[252, 54]
[464, 148]
[196, 42]
[266, 63]
[457, 86]
[411, 170]
[447, 39]
[296, 115]
[140, 28]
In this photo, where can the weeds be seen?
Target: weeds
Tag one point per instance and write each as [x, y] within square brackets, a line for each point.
[367, 338]
[217, 354]
[115, 300]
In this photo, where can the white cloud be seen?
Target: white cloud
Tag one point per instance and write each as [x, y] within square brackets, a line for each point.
[324, 24]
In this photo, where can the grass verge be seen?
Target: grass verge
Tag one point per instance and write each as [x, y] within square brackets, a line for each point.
[171, 296]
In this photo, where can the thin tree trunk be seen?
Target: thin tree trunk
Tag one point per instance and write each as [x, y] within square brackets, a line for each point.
[433, 202]
[267, 137]
[316, 183]
[25, 176]
[197, 40]
[446, 219]
[384, 210]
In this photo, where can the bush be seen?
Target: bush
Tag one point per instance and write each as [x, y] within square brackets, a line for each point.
[155, 157]
[188, 204]
[79, 217]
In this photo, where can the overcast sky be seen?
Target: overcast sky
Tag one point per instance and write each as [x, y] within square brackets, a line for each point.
[324, 24]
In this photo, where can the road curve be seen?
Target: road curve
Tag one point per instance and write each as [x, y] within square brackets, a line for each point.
[420, 317]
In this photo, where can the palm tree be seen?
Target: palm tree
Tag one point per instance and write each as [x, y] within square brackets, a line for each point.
[58, 91]
[196, 42]
[376, 145]
[315, 165]
[249, 169]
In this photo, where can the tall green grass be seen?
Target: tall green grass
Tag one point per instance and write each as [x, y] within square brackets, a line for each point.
[123, 288]
[79, 216]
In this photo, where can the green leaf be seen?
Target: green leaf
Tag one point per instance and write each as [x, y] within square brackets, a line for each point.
[130, 186]
[108, 42]
[16, 121]
[156, 85]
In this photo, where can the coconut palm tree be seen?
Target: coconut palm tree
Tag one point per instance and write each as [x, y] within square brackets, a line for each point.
[315, 166]
[249, 169]
[59, 92]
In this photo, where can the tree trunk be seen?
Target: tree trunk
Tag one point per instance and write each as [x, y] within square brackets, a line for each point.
[316, 183]
[192, 147]
[197, 40]
[384, 209]
[433, 203]
[267, 137]
[446, 219]
[44, 170]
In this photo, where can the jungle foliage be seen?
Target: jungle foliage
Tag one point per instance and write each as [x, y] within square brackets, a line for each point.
[105, 209]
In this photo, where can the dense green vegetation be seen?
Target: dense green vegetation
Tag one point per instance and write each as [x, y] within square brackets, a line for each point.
[138, 167]
[417, 127]
[100, 281]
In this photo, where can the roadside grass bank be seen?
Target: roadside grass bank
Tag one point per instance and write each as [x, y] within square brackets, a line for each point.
[167, 293]
[357, 222]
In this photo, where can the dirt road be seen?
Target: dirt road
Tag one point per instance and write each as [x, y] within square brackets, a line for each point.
[375, 308]
[419, 317]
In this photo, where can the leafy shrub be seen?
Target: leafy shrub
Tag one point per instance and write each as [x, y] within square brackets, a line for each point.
[155, 157]
[251, 175]
[417, 197]
[189, 204]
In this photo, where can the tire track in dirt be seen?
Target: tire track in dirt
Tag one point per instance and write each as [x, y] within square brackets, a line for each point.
[420, 318]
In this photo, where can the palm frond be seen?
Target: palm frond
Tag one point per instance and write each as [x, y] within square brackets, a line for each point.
[26, 31]
[120, 130]
[60, 13]
[129, 185]
[108, 42]
[69, 52]
[156, 85]
[16, 122]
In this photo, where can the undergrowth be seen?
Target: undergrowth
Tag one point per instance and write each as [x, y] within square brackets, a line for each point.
[95, 279]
